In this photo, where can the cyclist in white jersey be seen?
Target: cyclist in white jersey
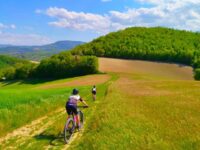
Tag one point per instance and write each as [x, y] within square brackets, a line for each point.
[71, 105]
[94, 92]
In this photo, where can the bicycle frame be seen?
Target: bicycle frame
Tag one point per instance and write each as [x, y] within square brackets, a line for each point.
[73, 120]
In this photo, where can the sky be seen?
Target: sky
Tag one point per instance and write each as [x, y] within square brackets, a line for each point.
[36, 22]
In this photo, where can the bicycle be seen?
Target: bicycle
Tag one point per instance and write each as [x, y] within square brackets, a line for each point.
[71, 125]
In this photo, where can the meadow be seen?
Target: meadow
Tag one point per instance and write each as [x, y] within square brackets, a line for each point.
[152, 107]
[20, 102]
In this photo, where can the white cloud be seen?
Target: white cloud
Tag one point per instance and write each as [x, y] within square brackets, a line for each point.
[184, 14]
[78, 20]
[106, 0]
[23, 39]
[3, 26]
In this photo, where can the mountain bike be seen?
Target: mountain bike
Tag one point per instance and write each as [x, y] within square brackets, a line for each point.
[71, 125]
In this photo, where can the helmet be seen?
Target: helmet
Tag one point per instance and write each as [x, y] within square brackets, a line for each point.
[75, 92]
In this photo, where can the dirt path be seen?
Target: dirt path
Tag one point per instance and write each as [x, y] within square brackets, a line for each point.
[19, 136]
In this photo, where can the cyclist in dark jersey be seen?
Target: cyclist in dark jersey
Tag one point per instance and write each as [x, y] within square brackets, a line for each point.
[71, 105]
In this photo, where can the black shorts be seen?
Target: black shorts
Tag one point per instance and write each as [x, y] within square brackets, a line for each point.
[94, 92]
[71, 109]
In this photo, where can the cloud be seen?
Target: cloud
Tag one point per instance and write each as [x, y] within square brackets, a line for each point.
[184, 14]
[106, 0]
[78, 20]
[3, 26]
[23, 39]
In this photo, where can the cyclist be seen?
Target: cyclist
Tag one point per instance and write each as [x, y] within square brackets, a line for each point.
[71, 105]
[94, 92]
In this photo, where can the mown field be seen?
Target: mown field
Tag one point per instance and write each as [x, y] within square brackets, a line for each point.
[143, 105]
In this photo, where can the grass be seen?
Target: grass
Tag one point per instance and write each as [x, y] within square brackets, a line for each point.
[146, 114]
[133, 111]
[22, 102]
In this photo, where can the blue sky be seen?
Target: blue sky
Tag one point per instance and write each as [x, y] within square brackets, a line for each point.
[35, 22]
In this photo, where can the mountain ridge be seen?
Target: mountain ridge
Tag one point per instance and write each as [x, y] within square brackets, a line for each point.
[38, 52]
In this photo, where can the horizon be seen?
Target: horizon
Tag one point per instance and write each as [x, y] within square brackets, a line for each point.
[31, 23]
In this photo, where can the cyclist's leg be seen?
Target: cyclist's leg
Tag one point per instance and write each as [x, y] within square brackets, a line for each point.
[69, 111]
[75, 111]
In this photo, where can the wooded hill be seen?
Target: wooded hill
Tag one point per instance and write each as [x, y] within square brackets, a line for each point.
[157, 44]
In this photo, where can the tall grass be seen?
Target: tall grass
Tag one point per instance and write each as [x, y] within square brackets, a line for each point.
[138, 114]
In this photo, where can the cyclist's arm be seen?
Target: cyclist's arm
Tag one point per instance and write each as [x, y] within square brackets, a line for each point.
[83, 102]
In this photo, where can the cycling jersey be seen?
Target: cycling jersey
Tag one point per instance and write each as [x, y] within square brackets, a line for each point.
[73, 100]
[94, 91]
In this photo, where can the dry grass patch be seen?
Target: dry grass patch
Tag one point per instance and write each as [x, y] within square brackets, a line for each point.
[164, 70]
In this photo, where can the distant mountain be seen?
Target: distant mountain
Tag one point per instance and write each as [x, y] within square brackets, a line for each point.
[4, 45]
[38, 52]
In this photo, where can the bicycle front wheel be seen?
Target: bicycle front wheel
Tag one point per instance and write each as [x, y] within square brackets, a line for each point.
[69, 130]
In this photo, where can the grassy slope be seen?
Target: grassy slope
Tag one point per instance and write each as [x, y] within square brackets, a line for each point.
[52, 131]
[146, 113]
[21, 102]
[138, 111]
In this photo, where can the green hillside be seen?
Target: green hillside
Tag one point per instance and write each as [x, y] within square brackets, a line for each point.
[133, 110]
[6, 61]
[157, 44]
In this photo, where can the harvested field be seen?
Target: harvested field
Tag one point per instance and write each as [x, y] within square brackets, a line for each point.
[164, 70]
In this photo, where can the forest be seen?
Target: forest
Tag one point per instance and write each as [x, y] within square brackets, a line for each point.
[156, 44]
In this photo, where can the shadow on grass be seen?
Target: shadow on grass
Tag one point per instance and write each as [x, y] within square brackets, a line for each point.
[54, 140]
[34, 81]
[27, 81]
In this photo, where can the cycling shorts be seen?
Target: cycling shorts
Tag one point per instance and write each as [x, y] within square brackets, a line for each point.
[71, 109]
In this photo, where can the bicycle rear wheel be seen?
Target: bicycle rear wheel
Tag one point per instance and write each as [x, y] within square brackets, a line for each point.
[69, 129]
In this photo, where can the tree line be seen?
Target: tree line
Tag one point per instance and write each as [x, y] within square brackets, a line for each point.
[58, 66]
[157, 44]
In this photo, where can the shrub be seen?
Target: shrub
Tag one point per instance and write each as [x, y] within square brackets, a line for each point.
[8, 73]
[66, 65]
[24, 71]
[197, 74]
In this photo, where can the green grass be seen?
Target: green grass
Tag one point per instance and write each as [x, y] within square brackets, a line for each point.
[146, 115]
[21, 102]
[132, 111]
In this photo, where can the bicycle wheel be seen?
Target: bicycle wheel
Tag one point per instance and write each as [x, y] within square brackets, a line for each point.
[69, 129]
[81, 118]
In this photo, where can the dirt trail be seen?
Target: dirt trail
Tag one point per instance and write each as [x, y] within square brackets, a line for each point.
[19, 136]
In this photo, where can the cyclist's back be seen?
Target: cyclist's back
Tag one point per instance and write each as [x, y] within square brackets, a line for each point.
[73, 100]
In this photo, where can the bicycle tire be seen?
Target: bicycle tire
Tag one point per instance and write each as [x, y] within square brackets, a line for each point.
[81, 116]
[69, 129]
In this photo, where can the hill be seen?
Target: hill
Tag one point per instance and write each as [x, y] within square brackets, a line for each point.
[38, 52]
[157, 44]
[139, 107]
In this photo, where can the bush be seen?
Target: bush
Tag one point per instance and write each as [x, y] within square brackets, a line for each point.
[24, 71]
[197, 74]
[8, 73]
[66, 65]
